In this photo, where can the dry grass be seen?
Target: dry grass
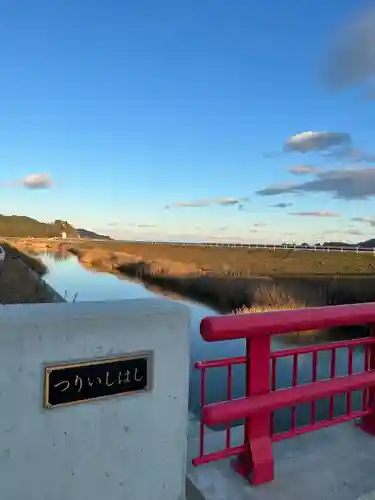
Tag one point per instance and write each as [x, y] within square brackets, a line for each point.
[269, 297]
[244, 262]
[20, 278]
[273, 298]
[219, 277]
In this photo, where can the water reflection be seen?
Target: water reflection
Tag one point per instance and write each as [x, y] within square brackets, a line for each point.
[59, 255]
[66, 274]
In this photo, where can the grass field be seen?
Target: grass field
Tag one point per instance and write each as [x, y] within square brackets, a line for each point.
[17, 283]
[232, 279]
[244, 262]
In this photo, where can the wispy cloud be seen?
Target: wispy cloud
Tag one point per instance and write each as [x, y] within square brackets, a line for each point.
[350, 59]
[318, 213]
[348, 184]
[282, 205]
[350, 155]
[303, 169]
[260, 224]
[225, 202]
[367, 220]
[187, 204]
[281, 188]
[354, 232]
[139, 225]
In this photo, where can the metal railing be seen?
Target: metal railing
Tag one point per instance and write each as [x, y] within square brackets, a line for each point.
[263, 398]
[269, 246]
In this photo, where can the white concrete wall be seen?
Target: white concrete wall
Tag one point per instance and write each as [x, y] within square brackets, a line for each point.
[128, 448]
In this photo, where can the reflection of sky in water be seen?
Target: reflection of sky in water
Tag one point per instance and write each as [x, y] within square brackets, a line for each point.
[69, 275]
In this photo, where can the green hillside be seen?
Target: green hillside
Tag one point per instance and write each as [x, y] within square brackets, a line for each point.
[22, 226]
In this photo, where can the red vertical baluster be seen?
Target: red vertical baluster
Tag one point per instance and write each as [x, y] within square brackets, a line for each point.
[294, 383]
[203, 402]
[273, 388]
[368, 421]
[332, 375]
[365, 368]
[257, 463]
[313, 379]
[350, 371]
[229, 397]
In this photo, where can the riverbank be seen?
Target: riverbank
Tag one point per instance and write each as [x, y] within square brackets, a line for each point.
[230, 279]
[21, 279]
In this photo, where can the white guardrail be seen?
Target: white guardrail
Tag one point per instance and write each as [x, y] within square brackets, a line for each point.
[2, 253]
[285, 246]
[304, 248]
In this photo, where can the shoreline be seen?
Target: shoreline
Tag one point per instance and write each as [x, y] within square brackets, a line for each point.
[229, 291]
[224, 296]
[21, 279]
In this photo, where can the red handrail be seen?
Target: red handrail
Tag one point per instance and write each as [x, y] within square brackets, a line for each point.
[262, 398]
[228, 411]
[237, 326]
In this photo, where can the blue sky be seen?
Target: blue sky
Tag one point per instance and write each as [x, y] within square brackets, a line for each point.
[137, 109]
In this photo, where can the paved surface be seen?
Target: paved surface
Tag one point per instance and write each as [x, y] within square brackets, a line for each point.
[337, 463]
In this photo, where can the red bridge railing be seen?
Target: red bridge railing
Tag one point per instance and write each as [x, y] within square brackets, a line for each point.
[254, 458]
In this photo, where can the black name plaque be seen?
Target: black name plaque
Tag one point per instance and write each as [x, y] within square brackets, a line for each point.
[79, 382]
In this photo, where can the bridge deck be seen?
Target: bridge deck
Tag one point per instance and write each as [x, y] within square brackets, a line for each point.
[337, 463]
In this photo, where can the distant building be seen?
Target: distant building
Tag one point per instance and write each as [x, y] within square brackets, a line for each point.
[63, 236]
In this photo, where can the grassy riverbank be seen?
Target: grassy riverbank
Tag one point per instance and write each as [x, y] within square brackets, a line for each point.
[231, 278]
[245, 262]
[21, 278]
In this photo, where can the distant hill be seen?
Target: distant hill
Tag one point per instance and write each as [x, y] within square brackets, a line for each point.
[339, 244]
[85, 233]
[22, 226]
[367, 243]
[362, 244]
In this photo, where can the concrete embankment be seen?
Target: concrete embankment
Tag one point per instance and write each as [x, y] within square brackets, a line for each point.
[21, 279]
[227, 293]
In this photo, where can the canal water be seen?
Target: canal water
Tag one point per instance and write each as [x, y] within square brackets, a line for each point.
[70, 279]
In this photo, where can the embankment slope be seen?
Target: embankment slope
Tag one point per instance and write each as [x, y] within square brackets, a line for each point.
[229, 278]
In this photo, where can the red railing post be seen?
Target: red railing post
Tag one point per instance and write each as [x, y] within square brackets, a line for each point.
[368, 421]
[257, 464]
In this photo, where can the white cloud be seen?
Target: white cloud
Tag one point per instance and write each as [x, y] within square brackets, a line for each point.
[303, 170]
[225, 202]
[31, 181]
[319, 213]
[37, 181]
[316, 141]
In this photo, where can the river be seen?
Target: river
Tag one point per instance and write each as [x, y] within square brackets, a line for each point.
[69, 278]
